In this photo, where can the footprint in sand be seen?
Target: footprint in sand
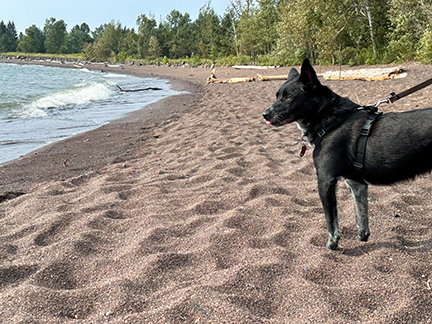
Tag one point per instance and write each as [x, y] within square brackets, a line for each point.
[13, 274]
[58, 276]
[54, 230]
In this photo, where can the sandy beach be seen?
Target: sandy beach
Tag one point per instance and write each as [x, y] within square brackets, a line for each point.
[193, 210]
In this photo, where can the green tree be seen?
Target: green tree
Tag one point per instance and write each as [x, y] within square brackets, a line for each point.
[8, 37]
[424, 53]
[2, 28]
[78, 37]
[408, 21]
[231, 21]
[228, 37]
[55, 35]
[355, 30]
[129, 46]
[155, 51]
[295, 33]
[257, 28]
[162, 33]
[368, 25]
[246, 30]
[98, 31]
[208, 31]
[33, 41]
[179, 38]
[146, 29]
[108, 44]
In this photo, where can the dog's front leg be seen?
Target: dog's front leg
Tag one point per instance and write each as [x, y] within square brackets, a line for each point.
[327, 192]
[359, 192]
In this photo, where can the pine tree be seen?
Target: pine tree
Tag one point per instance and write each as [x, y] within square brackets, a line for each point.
[8, 37]
[146, 26]
[55, 35]
[32, 41]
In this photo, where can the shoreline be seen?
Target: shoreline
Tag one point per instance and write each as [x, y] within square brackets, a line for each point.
[110, 143]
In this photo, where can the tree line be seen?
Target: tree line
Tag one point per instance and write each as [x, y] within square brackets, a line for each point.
[270, 32]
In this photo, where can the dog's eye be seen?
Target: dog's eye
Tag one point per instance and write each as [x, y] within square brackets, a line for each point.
[287, 97]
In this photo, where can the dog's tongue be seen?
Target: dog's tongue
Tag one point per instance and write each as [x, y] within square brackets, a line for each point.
[268, 122]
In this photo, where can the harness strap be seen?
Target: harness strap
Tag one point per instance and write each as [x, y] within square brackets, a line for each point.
[362, 142]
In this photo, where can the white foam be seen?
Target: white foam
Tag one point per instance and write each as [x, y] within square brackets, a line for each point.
[113, 75]
[30, 112]
[82, 93]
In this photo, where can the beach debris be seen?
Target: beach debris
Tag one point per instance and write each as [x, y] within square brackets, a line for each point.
[271, 77]
[373, 74]
[136, 90]
[65, 162]
[253, 67]
[213, 79]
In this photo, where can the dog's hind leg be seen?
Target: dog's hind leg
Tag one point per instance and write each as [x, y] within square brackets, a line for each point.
[359, 192]
[327, 192]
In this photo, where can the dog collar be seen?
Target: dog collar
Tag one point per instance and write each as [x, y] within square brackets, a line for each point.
[328, 128]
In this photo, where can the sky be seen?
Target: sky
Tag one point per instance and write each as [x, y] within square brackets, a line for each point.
[25, 13]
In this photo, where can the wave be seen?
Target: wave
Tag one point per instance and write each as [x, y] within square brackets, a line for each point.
[113, 75]
[104, 74]
[82, 93]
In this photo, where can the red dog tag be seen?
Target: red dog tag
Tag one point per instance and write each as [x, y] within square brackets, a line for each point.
[303, 150]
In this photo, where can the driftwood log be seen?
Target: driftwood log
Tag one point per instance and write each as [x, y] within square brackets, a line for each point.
[252, 67]
[375, 74]
[136, 90]
[271, 77]
[213, 79]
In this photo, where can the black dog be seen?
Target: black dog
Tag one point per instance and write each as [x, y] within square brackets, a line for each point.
[399, 145]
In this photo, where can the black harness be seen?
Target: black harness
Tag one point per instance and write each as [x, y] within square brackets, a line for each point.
[366, 131]
[373, 113]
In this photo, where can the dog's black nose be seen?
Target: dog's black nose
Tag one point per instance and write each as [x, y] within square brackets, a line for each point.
[266, 113]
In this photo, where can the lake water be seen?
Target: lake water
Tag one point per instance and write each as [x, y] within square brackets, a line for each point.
[40, 105]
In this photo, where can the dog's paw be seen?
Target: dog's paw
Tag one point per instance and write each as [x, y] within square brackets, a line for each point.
[363, 236]
[332, 243]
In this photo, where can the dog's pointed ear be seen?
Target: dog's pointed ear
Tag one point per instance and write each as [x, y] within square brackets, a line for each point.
[293, 74]
[308, 76]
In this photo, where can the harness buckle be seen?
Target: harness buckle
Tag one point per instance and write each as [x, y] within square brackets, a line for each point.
[365, 132]
[321, 132]
[358, 166]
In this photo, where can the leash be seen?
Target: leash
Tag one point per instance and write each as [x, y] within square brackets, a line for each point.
[393, 96]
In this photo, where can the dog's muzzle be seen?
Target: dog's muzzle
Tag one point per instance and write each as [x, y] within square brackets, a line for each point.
[275, 119]
[267, 114]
